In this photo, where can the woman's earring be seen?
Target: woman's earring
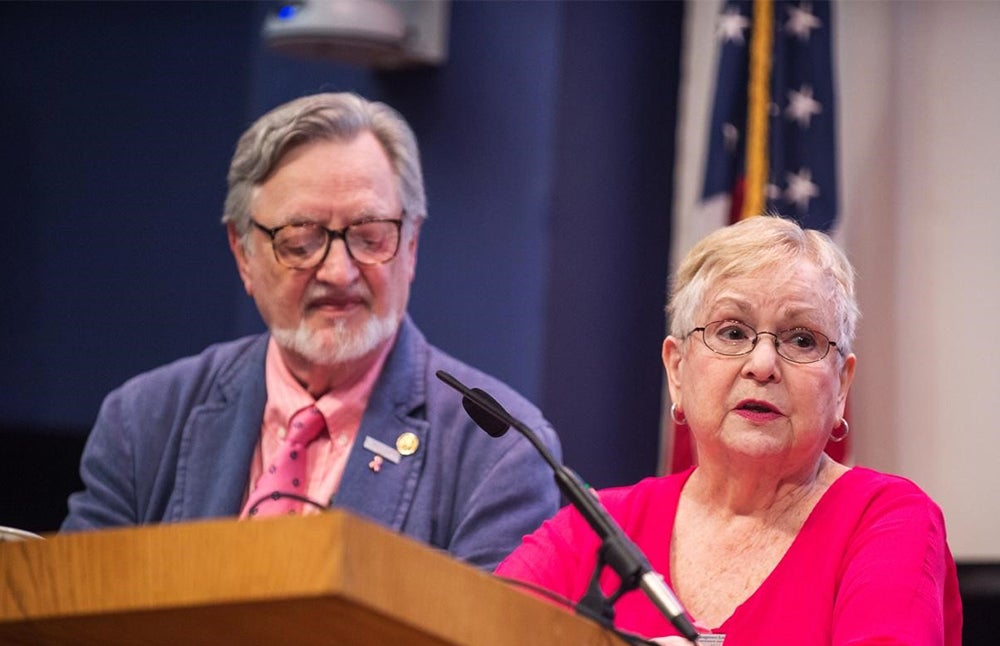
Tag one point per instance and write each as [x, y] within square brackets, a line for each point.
[677, 415]
[839, 437]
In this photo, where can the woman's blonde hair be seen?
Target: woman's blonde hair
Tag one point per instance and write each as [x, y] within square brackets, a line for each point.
[754, 245]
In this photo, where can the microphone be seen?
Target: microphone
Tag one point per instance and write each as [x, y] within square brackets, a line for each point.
[493, 425]
[620, 553]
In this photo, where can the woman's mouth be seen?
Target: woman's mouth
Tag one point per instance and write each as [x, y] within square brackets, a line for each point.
[757, 411]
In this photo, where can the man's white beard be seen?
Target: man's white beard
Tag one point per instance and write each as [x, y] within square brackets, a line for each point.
[337, 344]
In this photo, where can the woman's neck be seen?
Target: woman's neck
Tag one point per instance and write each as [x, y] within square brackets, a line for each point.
[760, 489]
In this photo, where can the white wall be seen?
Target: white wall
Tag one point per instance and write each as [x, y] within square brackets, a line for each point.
[919, 106]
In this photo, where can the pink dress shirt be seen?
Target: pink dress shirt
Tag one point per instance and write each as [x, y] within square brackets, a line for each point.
[327, 455]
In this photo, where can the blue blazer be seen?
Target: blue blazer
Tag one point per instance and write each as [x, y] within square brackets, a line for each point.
[175, 444]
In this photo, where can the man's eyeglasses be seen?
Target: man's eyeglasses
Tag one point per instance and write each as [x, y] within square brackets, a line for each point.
[734, 338]
[305, 245]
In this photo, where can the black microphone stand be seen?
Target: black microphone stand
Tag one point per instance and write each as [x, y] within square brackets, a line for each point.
[617, 551]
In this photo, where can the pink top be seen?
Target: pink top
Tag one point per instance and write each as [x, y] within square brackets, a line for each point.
[870, 565]
[327, 455]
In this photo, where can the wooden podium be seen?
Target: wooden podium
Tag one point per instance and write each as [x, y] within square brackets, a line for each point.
[327, 579]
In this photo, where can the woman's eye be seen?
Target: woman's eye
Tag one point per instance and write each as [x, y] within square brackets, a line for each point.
[802, 339]
[732, 333]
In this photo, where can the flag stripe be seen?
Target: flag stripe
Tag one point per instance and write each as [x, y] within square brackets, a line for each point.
[759, 102]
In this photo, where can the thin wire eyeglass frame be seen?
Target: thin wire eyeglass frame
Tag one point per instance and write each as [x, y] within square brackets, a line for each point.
[778, 343]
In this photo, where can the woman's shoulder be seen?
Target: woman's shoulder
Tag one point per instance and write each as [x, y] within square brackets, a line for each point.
[864, 480]
[651, 486]
[655, 492]
[873, 494]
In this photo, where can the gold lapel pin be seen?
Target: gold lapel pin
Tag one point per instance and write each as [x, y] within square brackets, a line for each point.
[407, 443]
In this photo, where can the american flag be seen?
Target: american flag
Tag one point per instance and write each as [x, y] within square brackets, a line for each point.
[772, 135]
[785, 111]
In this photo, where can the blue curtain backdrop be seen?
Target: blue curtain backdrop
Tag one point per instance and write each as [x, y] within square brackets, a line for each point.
[547, 141]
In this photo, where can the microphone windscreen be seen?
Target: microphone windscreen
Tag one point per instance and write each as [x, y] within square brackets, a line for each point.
[486, 420]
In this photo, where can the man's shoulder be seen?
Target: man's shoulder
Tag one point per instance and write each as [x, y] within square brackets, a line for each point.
[516, 404]
[474, 377]
[218, 361]
[412, 379]
[420, 359]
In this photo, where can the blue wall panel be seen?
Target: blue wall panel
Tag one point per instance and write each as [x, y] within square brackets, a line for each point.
[547, 141]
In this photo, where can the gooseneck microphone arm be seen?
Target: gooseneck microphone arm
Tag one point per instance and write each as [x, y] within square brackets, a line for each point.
[617, 550]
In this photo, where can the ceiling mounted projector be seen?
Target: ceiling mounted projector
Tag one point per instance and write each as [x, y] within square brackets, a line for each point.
[380, 34]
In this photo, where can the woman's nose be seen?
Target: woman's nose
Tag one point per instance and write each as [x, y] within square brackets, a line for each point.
[762, 362]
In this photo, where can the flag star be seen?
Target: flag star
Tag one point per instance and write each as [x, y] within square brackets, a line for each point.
[772, 191]
[801, 188]
[732, 24]
[802, 106]
[730, 137]
[801, 21]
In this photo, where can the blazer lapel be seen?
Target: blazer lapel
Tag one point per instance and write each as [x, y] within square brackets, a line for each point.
[393, 423]
[379, 481]
[219, 440]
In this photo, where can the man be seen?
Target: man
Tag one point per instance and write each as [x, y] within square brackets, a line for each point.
[323, 215]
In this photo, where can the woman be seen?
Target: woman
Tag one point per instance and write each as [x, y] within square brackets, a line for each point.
[767, 540]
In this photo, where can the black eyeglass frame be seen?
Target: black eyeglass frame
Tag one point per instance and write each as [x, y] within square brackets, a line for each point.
[331, 235]
[777, 342]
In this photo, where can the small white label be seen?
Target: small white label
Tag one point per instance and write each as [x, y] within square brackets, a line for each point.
[379, 448]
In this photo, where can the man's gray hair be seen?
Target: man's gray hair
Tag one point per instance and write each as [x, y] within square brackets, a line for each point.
[322, 117]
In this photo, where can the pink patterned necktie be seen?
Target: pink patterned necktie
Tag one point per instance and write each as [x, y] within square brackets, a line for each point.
[277, 489]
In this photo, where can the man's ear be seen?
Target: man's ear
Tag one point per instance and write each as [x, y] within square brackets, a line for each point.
[240, 255]
[412, 245]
